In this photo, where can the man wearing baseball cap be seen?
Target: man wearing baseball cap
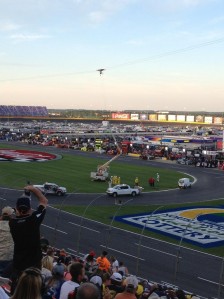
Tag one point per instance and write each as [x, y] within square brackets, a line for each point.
[25, 230]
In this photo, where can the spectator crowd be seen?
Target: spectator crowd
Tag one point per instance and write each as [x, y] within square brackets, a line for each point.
[31, 269]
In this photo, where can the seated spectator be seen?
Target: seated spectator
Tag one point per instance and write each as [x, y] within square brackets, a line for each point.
[77, 272]
[131, 285]
[29, 285]
[3, 294]
[44, 243]
[50, 254]
[88, 291]
[90, 264]
[53, 285]
[97, 280]
[106, 283]
[116, 284]
[122, 269]
[47, 267]
[92, 253]
[6, 241]
[4, 288]
[180, 294]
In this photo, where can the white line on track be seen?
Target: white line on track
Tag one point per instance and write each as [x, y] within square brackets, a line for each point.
[147, 237]
[210, 281]
[60, 231]
[96, 231]
[153, 249]
[123, 252]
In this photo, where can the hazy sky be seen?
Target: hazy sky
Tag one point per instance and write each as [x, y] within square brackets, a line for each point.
[158, 54]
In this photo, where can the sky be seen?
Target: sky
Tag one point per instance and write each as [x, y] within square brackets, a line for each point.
[157, 54]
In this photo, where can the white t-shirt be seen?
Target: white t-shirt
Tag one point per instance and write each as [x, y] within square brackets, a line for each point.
[115, 266]
[3, 294]
[66, 288]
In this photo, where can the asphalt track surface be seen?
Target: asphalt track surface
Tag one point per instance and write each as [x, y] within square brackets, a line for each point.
[149, 258]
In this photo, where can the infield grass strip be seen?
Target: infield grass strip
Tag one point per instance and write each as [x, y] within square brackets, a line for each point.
[105, 215]
[73, 172]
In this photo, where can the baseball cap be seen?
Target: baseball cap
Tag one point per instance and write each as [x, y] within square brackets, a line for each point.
[131, 281]
[116, 277]
[7, 211]
[23, 203]
[96, 280]
[92, 253]
[58, 269]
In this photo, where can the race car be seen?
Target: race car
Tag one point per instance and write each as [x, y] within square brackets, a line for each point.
[51, 188]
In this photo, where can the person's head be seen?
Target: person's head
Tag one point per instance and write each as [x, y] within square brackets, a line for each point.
[112, 258]
[97, 280]
[131, 284]
[106, 278]
[77, 271]
[30, 285]
[58, 271]
[116, 278]
[50, 251]
[7, 213]
[23, 206]
[180, 294]
[88, 290]
[90, 258]
[47, 262]
[104, 253]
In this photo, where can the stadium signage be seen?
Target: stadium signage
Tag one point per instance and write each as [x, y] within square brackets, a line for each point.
[202, 226]
[10, 155]
[120, 116]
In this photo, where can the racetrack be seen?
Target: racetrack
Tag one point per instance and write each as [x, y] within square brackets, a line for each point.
[153, 259]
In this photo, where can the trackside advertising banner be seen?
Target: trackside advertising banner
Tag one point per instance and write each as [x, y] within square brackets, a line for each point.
[120, 115]
[202, 226]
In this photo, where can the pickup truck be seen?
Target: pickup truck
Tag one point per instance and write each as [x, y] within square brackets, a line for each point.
[123, 189]
[51, 188]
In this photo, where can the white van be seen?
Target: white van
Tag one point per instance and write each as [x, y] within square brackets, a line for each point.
[184, 183]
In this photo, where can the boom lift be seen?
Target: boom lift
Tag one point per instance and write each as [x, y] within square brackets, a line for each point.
[102, 173]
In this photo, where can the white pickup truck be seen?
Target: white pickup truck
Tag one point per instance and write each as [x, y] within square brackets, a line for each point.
[123, 189]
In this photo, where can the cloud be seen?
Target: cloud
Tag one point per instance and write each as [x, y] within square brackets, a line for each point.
[9, 26]
[97, 16]
[134, 42]
[174, 5]
[99, 11]
[27, 37]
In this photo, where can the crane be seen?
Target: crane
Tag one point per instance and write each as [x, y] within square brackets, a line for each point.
[102, 172]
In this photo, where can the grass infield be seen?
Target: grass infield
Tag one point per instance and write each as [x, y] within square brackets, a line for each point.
[73, 172]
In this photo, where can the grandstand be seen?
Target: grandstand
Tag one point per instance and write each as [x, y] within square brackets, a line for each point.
[23, 111]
